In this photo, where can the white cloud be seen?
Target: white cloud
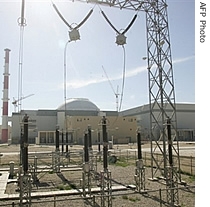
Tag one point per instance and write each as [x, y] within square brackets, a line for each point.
[79, 83]
[180, 60]
[82, 83]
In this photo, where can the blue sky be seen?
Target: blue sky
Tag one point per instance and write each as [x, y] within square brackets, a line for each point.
[45, 37]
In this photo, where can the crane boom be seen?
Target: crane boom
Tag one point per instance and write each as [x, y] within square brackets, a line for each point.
[20, 99]
[115, 93]
[108, 80]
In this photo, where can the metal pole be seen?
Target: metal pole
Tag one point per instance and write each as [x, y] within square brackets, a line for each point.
[86, 153]
[169, 142]
[139, 145]
[62, 138]
[22, 20]
[25, 145]
[21, 146]
[67, 143]
[89, 137]
[57, 140]
[105, 143]
[86, 181]
[99, 141]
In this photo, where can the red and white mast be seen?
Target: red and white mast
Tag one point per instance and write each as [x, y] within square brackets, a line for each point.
[4, 128]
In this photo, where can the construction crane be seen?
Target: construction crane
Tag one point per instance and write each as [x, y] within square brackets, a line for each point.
[115, 93]
[15, 102]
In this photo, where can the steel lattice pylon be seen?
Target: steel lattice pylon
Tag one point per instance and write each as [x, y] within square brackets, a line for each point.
[160, 73]
[161, 86]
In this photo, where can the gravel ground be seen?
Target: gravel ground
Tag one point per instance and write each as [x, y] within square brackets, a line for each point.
[125, 175]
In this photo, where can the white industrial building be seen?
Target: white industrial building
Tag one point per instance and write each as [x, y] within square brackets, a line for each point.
[76, 115]
[185, 114]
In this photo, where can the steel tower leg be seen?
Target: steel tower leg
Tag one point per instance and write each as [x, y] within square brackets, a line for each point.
[161, 86]
[172, 178]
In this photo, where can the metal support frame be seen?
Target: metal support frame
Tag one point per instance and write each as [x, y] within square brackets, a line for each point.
[161, 85]
[140, 176]
[56, 161]
[34, 169]
[86, 180]
[91, 159]
[25, 190]
[106, 189]
[94, 166]
[25, 177]
[172, 186]
[171, 173]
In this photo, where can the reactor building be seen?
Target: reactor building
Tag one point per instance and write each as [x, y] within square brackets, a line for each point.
[77, 115]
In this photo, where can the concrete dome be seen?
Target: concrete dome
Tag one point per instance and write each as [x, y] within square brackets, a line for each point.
[79, 104]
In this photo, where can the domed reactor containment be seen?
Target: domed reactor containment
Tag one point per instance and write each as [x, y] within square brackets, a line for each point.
[79, 104]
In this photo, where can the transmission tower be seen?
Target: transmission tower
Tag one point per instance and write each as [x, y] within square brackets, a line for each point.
[161, 86]
[161, 83]
[161, 91]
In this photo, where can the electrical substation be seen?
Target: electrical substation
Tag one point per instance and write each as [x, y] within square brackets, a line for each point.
[84, 148]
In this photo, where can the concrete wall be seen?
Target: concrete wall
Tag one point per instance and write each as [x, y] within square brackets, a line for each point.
[117, 127]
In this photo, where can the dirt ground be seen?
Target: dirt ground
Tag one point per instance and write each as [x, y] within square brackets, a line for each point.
[122, 173]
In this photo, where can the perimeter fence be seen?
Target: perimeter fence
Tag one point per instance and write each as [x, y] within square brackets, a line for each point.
[187, 163]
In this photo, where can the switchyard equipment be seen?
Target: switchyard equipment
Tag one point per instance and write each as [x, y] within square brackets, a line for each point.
[74, 35]
[86, 174]
[105, 174]
[25, 176]
[74, 31]
[56, 154]
[140, 169]
[120, 40]
[161, 97]
[161, 81]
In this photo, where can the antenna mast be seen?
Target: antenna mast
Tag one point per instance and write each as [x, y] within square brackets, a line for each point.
[22, 24]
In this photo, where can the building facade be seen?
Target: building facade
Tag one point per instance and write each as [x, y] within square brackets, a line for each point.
[185, 116]
[77, 115]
